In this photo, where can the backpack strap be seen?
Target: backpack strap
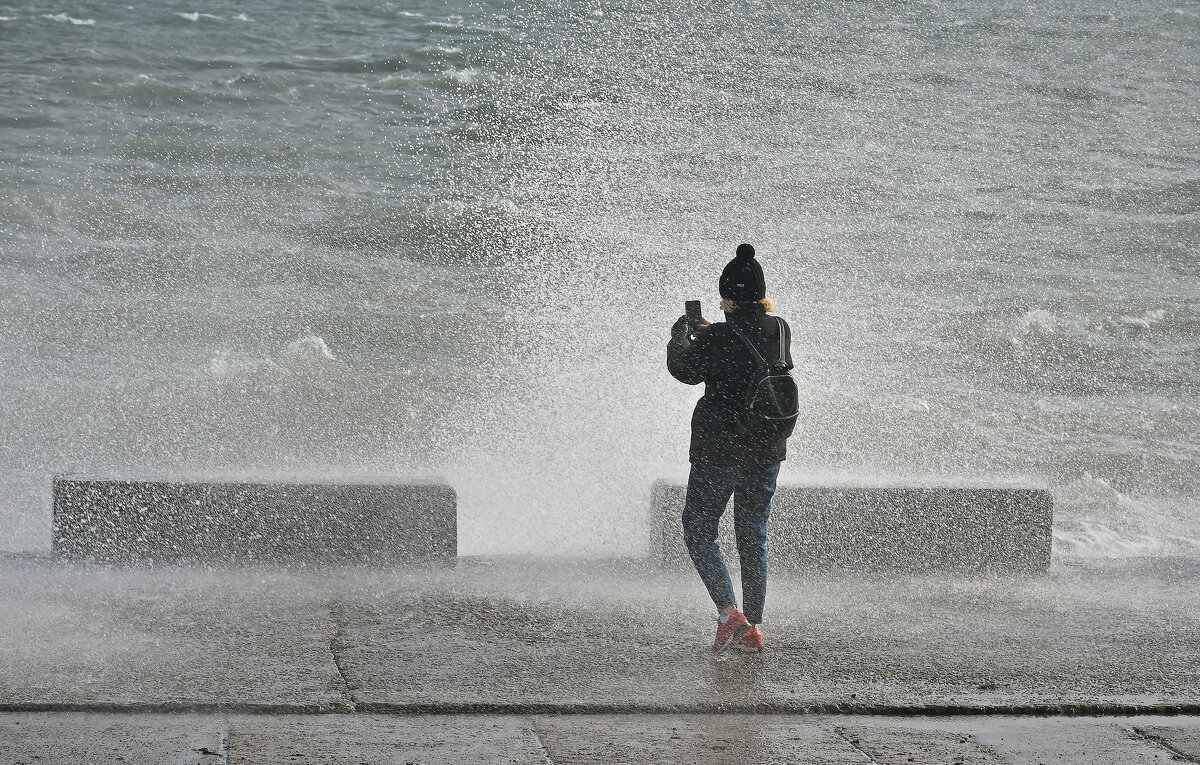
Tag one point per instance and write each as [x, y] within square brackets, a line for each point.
[750, 346]
[785, 340]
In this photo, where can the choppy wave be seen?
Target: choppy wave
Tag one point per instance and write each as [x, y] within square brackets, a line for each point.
[337, 64]
[67, 19]
[449, 22]
[195, 16]
[1094, 520]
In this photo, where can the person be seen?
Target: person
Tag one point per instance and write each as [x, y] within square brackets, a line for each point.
[724, 461]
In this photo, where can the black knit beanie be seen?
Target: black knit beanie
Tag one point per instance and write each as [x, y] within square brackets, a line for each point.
[742, 280]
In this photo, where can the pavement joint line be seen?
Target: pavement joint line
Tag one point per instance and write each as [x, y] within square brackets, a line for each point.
[334, 647]
[224, 750]
[530, 709]
[1156, 740]
[841, 732]
[537, 736]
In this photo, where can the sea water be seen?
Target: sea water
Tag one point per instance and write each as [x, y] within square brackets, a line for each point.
[347, 238]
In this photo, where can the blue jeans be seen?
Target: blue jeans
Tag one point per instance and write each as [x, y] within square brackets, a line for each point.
[708, 492]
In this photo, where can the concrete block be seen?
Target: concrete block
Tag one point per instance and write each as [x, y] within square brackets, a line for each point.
[87, 739]
[882, 528]
[204, 521]
[367, 738]
[702, 739]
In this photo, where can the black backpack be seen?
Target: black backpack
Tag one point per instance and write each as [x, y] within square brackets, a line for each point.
[772, 401]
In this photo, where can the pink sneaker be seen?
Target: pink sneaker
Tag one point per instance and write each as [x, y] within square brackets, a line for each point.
[730, 631]
[752, 642]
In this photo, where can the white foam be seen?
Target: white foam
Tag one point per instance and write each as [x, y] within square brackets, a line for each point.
[1145, 321]
[1092, 539]
[219, 365]
[468, 76]
[1133, 321]
[1090, 492]
[63, 18]
[242, 17]
[1095, 520]
[1036, 323]
[196, 15]
[1038, 320]
[308, 348]
[402, 76]
[583, 105]
[307, 353]
[450, 22]
[8, 18]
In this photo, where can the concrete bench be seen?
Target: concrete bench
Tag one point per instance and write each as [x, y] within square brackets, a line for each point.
[203, 521]
[881, 528]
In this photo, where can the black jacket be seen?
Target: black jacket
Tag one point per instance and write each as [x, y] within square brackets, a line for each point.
[719, 360]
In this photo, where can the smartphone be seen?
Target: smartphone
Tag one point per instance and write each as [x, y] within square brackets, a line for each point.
[691, 309]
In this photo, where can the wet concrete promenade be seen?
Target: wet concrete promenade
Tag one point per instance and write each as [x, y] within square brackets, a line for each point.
[514, 660]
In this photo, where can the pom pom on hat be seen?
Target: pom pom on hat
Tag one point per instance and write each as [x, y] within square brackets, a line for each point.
[744, 252]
